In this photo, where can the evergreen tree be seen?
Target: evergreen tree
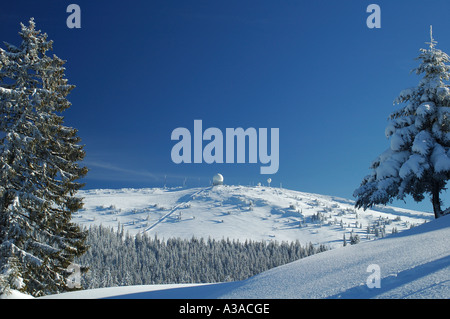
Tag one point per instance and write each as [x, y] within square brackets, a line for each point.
[354, 239]
[418, 159]
[39, 167]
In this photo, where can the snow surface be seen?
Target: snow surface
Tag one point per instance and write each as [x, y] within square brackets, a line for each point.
[413, 264]
[14, 294]
[239, 212]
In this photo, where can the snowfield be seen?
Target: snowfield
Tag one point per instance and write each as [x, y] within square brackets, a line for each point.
[242, 212]
[412, 264]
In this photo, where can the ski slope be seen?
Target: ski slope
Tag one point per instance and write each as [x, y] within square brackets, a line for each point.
[413, 264]
[241, 212]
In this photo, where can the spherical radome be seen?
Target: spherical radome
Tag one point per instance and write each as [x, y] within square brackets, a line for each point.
[218, 179]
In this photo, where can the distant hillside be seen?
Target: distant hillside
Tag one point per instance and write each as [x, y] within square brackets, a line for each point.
[240, 212]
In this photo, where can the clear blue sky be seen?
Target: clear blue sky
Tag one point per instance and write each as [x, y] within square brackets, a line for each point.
[310, 68]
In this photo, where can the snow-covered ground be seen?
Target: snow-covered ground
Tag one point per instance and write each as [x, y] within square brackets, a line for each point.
[414, 263]
[411, 264]
[241, 212]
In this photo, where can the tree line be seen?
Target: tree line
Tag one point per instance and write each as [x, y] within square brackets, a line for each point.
[118, 259]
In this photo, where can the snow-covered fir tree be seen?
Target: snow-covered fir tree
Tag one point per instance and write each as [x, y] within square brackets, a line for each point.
[418, 159]
[354, 238]
[39, 169]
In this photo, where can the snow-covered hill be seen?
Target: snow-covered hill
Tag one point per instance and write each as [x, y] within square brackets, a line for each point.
[415, 263]
[241, 212]
[412, 264]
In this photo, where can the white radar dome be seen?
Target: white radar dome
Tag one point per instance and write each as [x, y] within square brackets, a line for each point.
[218, 179]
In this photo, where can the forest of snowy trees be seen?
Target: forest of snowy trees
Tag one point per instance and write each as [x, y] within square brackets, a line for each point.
[118, 259]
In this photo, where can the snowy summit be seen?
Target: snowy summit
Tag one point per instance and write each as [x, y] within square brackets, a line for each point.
[243, 213]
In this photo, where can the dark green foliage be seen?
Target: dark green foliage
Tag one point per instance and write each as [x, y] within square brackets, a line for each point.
[39, 169]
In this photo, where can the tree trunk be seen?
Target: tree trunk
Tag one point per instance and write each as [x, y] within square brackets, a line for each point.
[436, 201]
